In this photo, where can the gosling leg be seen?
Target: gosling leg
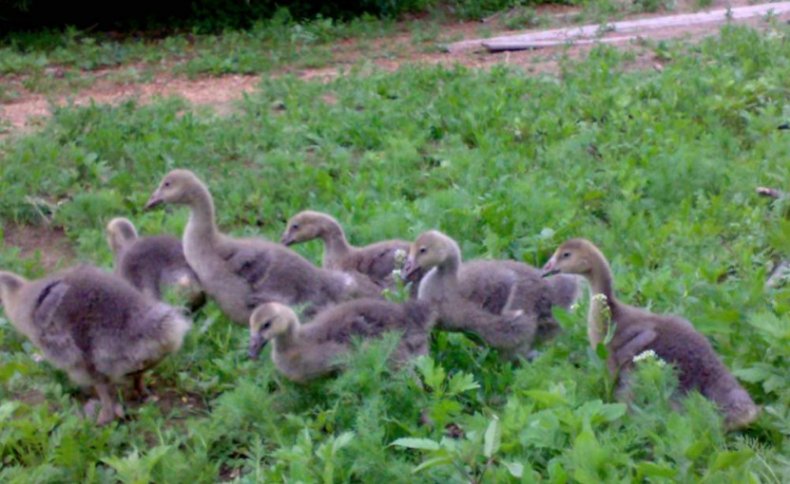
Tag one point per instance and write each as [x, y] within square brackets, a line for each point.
[110, 409]
[140, 390]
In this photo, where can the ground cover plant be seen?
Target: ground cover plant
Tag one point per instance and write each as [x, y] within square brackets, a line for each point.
[658, 168]
[58, 61]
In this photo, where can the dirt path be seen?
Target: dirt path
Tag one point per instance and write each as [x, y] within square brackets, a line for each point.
[30, 109]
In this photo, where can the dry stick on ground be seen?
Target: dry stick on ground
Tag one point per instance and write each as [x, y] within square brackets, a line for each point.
[557, 37]
[769, 192]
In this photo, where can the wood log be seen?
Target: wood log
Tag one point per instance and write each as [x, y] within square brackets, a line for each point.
[592, 32]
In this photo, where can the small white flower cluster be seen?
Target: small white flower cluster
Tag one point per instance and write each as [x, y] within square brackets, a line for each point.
[400, 257]
[649, 355]
[400, 260]
[600, 297]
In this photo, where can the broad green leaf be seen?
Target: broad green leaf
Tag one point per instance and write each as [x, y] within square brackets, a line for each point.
[342, 440]
[754, 374]
[492, 438]
[612, 411]
[731, 458]
[516, 469]
[651, 469]
[433, 462]
[7, 409]
[416, 443]
[601, 351]
[546, 398]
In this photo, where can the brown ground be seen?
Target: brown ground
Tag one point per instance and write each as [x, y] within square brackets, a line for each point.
[389, 53]
[48, 243]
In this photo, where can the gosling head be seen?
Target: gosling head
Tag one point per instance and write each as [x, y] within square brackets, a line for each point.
[575, 256]
[267, 322]
[176, 187]
[431, 249]
[10, 284]
[120, 232]
[304, 226]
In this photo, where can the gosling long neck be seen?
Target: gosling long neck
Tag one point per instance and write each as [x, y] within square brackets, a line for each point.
[287, 339]
[335, 244]
[441, 283]
[120, 239]
[602, 298]
[10, 285]
[202, 225]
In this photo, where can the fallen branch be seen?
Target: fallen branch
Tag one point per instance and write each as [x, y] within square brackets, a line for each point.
[592, 32]
[769, 192]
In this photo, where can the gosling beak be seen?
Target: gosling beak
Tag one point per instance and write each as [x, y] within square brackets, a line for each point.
[286, 239]
[256, 345]
[410, 268]
[550, 268]
[154, 201]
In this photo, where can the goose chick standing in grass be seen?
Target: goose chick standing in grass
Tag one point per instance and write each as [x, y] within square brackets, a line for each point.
[305, 352]
[151, 264]
[241, 274]
[377, 261]
[506, 303]
[780, 274]
[94, 326]
[672, 338]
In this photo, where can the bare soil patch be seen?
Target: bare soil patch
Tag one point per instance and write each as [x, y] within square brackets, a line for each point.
[48, 243]
[387, 53]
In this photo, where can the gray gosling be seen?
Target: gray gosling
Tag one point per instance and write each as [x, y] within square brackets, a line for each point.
[780, 274]
[377, 261]
[506, 303]
[672, 338]
[152, 264]
[95, 327]
[241, 274]
[305, 352]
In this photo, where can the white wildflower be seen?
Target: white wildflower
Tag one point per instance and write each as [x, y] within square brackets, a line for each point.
[600, 297]
[649, 355]
[400, 257]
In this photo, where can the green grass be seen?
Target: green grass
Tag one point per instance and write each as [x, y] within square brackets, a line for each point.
[62, 62]
[73, 59]
[658, 168]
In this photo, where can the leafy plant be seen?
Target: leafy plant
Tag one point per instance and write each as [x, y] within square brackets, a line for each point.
[661, 177]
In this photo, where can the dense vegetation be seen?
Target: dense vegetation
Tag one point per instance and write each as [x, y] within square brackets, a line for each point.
[658, 168]
[215, 15]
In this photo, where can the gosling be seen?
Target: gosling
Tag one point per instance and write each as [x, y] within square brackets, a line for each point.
[305, 352]
[152, 264]
[94, 326]
[504, 302]
[377, 261]
[672, 338]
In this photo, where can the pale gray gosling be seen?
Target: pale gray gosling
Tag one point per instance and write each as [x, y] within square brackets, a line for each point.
[94, 326]
[152, 264]
[377, 261]
[506, 303]
[672, 338]
[304, 352]
[241, 274]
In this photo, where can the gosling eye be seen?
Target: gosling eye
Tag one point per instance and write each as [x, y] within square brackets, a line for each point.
[565, 255]
[295, 227]
[167, 184]
[423, 250]
[267, 325]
